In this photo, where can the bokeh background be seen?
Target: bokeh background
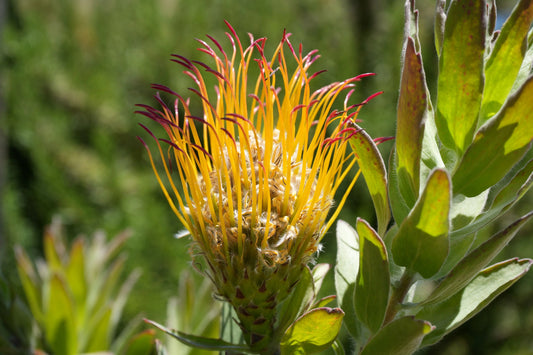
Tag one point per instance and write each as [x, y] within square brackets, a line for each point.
[72, 71]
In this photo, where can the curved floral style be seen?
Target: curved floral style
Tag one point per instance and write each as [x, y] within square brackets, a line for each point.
[253, 178]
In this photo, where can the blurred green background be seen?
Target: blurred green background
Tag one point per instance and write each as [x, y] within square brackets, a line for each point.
[72, 71]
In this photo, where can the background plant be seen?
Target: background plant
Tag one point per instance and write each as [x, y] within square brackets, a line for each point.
[75, 296]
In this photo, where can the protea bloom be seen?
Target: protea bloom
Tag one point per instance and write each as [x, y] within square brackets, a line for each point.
[258, 172]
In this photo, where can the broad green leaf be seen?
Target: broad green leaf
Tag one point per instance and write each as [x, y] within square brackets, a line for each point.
[299, 300]
[476, 260]
[506, 58]
[498, 145]
[486, 286]
[421, 243]
[30, 284]
[412, 108]
[373, 169]
[201, 342]
[399, 337]
[346, 269]
[313, 332]
[373, 279]
[141, 344]
[59, 324]
[460, 83]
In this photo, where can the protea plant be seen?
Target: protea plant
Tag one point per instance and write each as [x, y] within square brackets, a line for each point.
[253, 178]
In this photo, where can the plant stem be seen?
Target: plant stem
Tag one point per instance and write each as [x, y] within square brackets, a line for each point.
[398, 294]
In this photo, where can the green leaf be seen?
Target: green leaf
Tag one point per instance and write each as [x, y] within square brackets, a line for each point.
[99, 339]
[498, 145]
[373, 169]
[119, 300]
[516, 188]
[400, 337]
[51, 243]
[201, 342]
[492, 18]
[517, 185]
[299, 301]
[527, 64]
[421, 243]
[466, 209]
[373, 279]
[440, 20]
[486, 286]
[506, 58]
[313, 332]
[323, 302]
[460, 83]
[346, 269]
[141, 344]
[337, 348]
[412, 109]
[467, 268]
[75, 273]
[319, 272]
[30, 284]
[400, 208]
[230, 331]
[107, 281]
[60, 325]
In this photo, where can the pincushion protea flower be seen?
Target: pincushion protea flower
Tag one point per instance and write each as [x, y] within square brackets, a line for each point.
[258, 172]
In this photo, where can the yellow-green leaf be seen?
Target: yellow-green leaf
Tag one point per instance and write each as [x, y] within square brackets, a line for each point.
[373, 279]
[460, 83]
[60, 326]
[75, 272]
[30, 284]
[498, 145]
[313, 332]
[412, 108]
[467, 268]
[373, 169]
[421, 243]
[486, 286]
[141, 344]
[400, 337]
[346, 269]
[506, 58]
[201, 342]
